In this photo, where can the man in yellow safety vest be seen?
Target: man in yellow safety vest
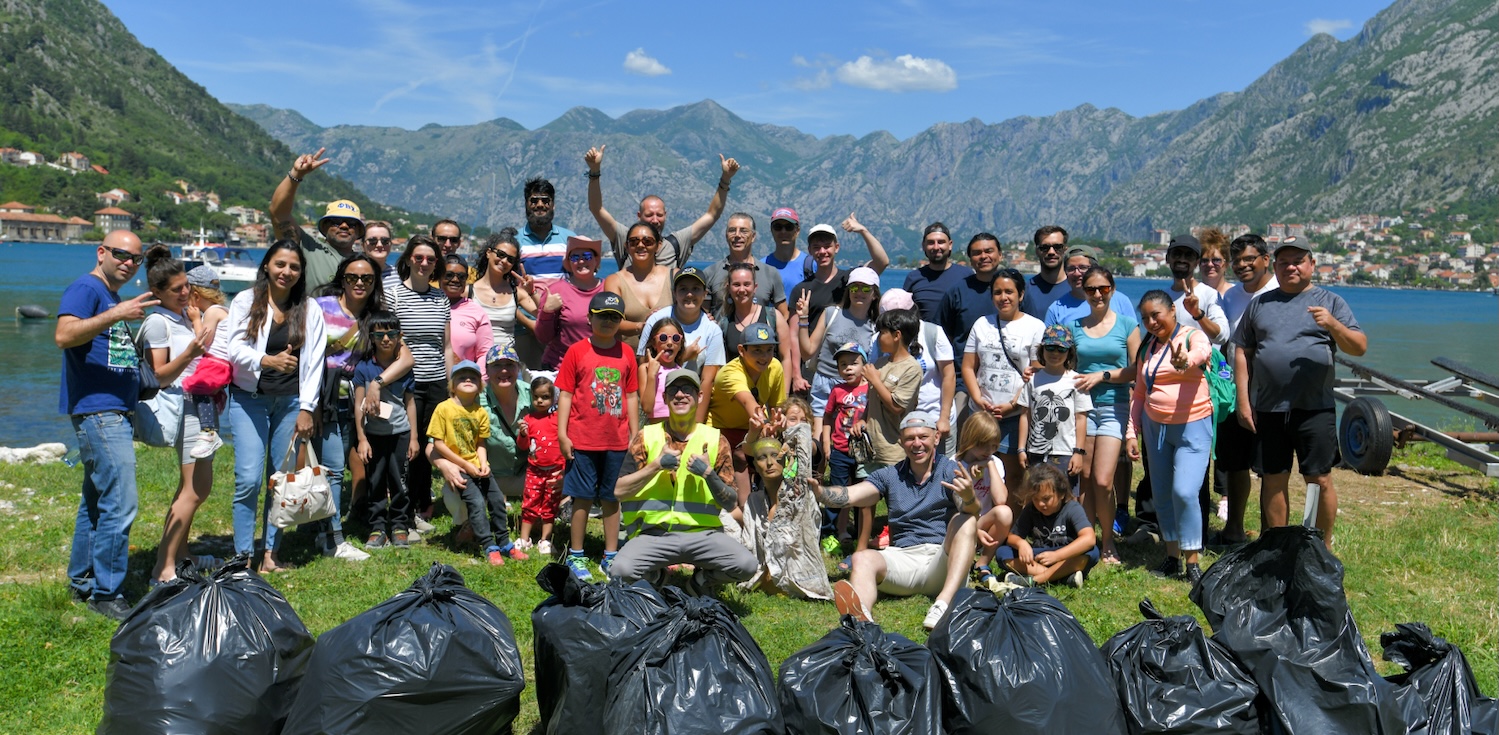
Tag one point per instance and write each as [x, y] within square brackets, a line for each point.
[675, 479]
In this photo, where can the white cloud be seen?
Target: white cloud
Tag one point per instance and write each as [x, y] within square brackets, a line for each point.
[637, 62]
[1328, 26]
[904, 73]
[823, 80]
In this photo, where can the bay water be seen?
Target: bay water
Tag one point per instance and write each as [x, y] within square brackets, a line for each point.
[1406, 329]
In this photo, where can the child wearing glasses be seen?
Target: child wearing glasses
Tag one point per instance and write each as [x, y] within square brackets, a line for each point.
[385, 440]
[1055, 410]
[663, 353]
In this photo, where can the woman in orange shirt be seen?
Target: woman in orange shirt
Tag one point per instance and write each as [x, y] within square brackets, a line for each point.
[1172, 410]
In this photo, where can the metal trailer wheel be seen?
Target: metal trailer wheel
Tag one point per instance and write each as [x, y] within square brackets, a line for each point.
[1366, 436]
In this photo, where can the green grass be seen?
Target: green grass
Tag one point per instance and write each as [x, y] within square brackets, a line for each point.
[1418, 546]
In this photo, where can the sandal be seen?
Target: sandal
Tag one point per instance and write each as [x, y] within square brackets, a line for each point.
[1110, 557]
[847, 565]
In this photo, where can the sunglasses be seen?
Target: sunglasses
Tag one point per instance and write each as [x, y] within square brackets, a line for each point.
[673, 338]
[448, 238]
[376, 241]
[539, 200]
[424, 259]
[125, 256]
[640, 241]
[607, 316]
[455, 276]
[1054, 348]
[1097, 289]
[583, 257]
[672, 390]
[860, 289]
[359, 278]
[502, 255]
[1213, 261]
[385, 334]
[783, 226]
[346, 223]
[1044, 248]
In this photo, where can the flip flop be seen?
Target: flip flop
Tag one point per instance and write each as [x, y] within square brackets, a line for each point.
[1110, 557]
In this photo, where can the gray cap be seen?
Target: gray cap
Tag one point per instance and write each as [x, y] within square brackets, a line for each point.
[1292, 242]
[204, 277]
[684, 374]
[918, 420]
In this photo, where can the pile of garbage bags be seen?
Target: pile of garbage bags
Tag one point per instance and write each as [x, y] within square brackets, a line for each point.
[225, 653]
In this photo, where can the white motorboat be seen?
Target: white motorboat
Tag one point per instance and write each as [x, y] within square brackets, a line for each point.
[236, 266]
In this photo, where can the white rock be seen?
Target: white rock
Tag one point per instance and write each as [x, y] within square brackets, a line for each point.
[40, 454]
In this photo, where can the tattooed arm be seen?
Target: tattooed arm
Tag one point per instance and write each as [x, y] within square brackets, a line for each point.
[840, 496]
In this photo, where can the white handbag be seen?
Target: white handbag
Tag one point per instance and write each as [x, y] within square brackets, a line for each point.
[300, 496]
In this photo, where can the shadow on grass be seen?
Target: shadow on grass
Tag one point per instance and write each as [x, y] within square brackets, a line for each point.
[1442, 481]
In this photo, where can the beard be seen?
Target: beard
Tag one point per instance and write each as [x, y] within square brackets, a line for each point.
[540, 222]
[1182, 271]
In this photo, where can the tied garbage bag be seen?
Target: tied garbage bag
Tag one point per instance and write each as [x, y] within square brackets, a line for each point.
[436, 659]
[1439, 673]
[1278, 604]
[1172, 678]
[858, 679]
[1021, 664]
[694, 670]
[575, 629]
[217, 653]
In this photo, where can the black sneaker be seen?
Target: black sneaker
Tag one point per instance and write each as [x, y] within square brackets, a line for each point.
[375, 541]
[400, 540]
[77, 595]
[1171, 567]
[114, 609]
[1193, 574]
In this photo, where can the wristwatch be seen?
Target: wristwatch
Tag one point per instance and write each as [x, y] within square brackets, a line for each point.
[1108, 377]
[1081, 451]
[1199, 315]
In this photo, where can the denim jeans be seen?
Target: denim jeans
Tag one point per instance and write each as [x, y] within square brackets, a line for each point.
[98, 561]
[262, 427]
[332, 452]
[1178, 456]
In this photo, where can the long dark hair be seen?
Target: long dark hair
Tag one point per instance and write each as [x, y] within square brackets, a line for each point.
[655, 232]
[161, 267]
[493, 242]
[403, 266]
[335, 287]
[296, 310]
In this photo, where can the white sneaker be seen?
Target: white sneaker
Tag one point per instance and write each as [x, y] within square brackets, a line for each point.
[523, 544]
[422, 525]
[1222, 509]
[544, 547]
[934, 615]
[347, 552]
[208, 443]
[413, 536]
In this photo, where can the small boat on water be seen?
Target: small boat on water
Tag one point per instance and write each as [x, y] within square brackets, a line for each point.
[236, 266]
[31, 311]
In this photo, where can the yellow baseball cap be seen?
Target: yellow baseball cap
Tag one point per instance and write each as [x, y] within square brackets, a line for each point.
[342, 209]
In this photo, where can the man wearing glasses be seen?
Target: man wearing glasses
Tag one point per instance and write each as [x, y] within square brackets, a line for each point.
[1050, 283]
[100, 388]
[786, 259]
[676, 247]
[1249, 259]
[341, 224]
[449, 236]
[543, 245]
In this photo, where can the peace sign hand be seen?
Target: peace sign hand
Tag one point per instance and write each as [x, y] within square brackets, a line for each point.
[961, 485]
[804, 304]
[308, 162]
[1179, 359]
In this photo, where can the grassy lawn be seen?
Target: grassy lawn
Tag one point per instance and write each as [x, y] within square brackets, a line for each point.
[1419, 545]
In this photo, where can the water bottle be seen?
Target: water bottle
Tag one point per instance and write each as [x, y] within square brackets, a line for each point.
[72, 458]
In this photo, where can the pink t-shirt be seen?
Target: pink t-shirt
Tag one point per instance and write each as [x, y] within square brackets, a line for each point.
[1168, 395]
[470, 333]
[561, 329]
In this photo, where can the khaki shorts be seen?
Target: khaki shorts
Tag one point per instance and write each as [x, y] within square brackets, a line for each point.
[914, 570]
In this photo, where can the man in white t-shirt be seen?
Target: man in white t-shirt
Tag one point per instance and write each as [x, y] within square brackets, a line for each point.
[1196, 302]
[676, 247]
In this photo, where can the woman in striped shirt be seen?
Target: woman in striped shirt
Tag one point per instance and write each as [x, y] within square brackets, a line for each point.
[424, 314]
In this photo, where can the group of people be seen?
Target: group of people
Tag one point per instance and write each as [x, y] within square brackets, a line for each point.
[734, 422]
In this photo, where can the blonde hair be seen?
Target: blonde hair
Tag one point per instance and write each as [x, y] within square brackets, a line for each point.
[211, 295]
[1213, 239]
[980, 428]
[798, 402]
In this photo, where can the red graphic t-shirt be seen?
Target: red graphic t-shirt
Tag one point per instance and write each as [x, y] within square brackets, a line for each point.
[599, 380]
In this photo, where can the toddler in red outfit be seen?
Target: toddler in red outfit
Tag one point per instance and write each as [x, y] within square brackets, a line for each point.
[544, 465]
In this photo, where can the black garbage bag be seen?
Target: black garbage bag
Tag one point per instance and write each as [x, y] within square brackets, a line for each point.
[1278, 604]
[215, 653]
[1021, 664]
[574, 631]
[437, 659]
[1172, 678]
[1440, 674]
[858, 679]
[694, 670]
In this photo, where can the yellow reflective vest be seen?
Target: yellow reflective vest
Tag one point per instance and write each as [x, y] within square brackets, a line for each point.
[675, 501]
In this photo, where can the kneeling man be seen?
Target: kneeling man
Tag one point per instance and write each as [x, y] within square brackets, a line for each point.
[675, 479]
[932, 526]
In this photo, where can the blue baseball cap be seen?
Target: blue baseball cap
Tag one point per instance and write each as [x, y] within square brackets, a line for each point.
[465, 365]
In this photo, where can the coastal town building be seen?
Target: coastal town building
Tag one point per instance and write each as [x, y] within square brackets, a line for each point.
[21, 222]
[113, 197]
[112, 218]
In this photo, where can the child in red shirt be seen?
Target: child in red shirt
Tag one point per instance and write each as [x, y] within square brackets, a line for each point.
[598, 414]
[544, 465]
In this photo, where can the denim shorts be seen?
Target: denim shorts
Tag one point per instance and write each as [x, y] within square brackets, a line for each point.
[1108, 420]
[822, 386]
[1010, 440]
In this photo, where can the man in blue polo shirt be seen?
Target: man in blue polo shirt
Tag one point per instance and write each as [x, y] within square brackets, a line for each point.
[99, 391]
[543, 245]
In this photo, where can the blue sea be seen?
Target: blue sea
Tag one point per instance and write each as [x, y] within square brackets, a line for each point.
[1407, 329]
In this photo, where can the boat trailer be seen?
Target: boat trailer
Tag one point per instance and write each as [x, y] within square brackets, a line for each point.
[1368, 432]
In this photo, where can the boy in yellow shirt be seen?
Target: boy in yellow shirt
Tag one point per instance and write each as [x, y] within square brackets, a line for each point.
[458, 429]
[742, 391]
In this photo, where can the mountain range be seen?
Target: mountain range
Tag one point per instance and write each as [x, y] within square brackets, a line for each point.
[1401, 115]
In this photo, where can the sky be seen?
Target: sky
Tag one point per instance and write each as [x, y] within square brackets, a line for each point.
[823, 68]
